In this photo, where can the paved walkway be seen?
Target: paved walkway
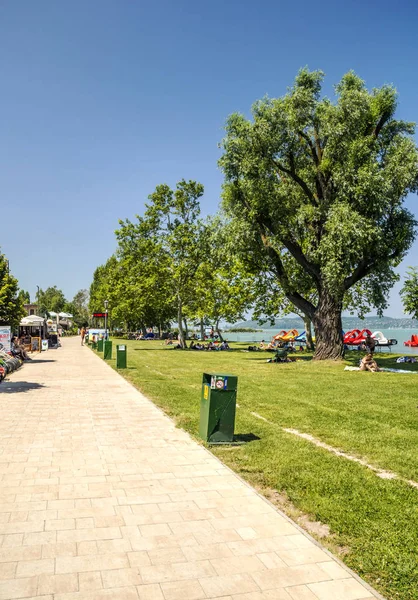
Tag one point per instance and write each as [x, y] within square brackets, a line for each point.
[101, 497]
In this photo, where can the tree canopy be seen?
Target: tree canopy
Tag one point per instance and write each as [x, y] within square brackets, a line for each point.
[169, 239]
[51, 300]
[322, 184]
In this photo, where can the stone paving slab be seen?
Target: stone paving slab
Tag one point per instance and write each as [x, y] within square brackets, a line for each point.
[102, 498]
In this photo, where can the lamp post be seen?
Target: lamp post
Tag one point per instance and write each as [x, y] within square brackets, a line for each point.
[106, 303]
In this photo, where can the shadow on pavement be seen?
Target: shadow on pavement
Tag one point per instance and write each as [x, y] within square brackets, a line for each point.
[35, 361]
[16, 387]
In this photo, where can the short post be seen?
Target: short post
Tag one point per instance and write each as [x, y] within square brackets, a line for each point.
[121, 356]
[107, 350]
[217, 408]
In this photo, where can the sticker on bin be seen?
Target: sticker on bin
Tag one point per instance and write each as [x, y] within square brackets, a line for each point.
[123, 348]
[218, 383]
[206, 392]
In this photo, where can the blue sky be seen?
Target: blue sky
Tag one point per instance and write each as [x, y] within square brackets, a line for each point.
[104, 99]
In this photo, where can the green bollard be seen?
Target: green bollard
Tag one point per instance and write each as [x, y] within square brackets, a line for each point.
[121, 356]
[217, 408]
[107, 350]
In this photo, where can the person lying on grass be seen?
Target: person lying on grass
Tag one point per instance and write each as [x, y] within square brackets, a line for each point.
[369, 364]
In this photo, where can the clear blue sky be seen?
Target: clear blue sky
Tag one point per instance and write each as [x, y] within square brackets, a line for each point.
[104, 99]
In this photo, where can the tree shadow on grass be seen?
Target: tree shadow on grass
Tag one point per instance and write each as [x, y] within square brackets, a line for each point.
[16, 387]
[246, 437]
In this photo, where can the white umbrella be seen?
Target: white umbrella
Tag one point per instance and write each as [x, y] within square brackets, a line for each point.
[32, 321]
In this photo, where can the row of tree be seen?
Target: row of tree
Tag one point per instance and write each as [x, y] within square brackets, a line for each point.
[312, 221]
[172, 265]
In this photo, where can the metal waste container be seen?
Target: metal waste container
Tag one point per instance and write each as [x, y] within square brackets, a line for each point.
[107, 350]
[217, 408]
[100, 345]
[121, 356]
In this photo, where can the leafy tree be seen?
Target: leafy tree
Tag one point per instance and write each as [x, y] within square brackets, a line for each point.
[169, 237]
[324, 183]
[409, 292]
[11, 305]
[79, 308]
[143, 287]
[24, 297]
[51, 300]
[102, 287]
[223, 286]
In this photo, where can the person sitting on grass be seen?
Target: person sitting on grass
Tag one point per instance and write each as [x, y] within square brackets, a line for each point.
[369, 364]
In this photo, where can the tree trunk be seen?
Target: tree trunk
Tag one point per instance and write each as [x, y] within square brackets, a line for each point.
[182, 340]
[186, 329]
[328, 327]
[308, 330]
[218, 331]
[202, 329]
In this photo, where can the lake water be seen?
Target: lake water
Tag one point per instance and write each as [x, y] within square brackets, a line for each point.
[402, 335]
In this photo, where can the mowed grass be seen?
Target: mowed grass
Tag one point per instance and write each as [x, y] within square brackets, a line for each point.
[373, 522]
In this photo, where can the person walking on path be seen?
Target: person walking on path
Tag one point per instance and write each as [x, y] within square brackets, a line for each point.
[83, 335]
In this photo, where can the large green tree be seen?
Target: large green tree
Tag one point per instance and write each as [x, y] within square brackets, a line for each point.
[324, 183]
[50, 300]
[79, 308]
[144, 290]
[102, 287]
[223, 286]
[11, 305]
[170, 238]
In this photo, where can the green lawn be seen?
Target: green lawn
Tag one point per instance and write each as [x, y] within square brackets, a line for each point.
[373, 522]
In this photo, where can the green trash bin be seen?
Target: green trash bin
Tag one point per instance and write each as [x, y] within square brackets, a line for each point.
[100, 345]
[107, 350]
[121, 356]
[217, 408]
[94, 345]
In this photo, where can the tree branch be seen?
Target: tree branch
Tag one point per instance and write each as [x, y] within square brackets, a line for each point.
[307, 139]
[383, 119]
[297, 253]
[292, 173]
[363, 269]
[297, 299]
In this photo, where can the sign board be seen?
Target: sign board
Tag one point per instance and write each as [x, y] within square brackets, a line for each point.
[5, 337]
[99, 315]
[44, 345]
[100, 333]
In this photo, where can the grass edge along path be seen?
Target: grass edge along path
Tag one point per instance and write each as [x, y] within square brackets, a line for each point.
[373, 522]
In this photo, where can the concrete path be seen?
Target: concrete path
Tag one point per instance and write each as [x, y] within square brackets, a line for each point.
[101, 497]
